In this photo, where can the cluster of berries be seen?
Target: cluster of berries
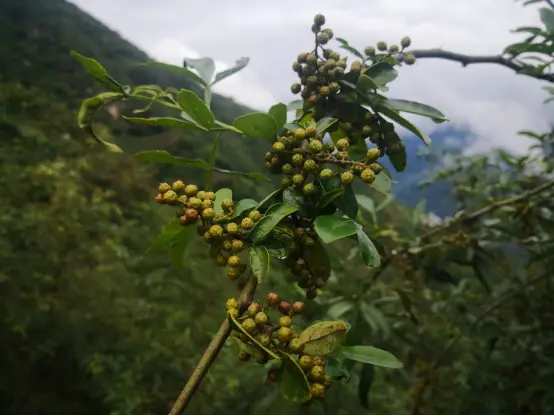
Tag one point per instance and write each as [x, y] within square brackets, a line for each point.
[458, 239]
[261, 334]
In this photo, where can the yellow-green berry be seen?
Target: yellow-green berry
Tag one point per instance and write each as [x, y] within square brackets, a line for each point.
[369, 51]
[261, 318]
[278, 147]
[285, 321]
[373, 154]
[210, 195]
[234, 312]
[233, 261]
[191, 190]
[309, 189]
[233, 273]
[368, 176]
[232, 304]
[326, 174]
[170, 196]
[249, 325]
[287, 169]
[310, 165]
[319, 19]
[216, 230]
[232, 228]
[317, 390]
[247, 223]
[300, 134]
[298, 179]
[296, 346]
[297, 159]
[295, 88]
[194, 203]
[227, 245]
[285, 334]
[164, 187]
[208, 214]
[253, 309]
[221, 260]
[305, 362]
[405, 42]
[177, 185]
[206, 203]
[409, 59]
[311, 131]
[342, 144]
[237, 246]
[227, 204]
[382, 46]
[201, 194]
[393, 48]
[255, 215]
[316, 146]
[347, 177]
[317, 372]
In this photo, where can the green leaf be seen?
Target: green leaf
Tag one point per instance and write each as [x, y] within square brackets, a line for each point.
[366, 381]
[239, 326]
[252, 175]
[369, 355]
[242, 206]
[329, 197]
[323, 337]
[335, 368]
[221, 195]
[413, 107]
[323, 124]
[369, 251]
[331, 228]
[259, 262]
[161, 156]
[95, 69]
[279, 113]
[317, 260]
[347, 47]
[293, 382]
[204, 66]
[375, 318]
[295, 105]
[381, 73]
[178, 70]
[166, 122]
[293, 126]
[382, 183]
[399, 159]
[239, 64]
[547, 17]
[269, 197]
[179, 245]
[195, 108]
[367, 204]
[165, 236]
[365, 83]
[340, 308]
[258, 125]
[347, 201]
[394, 116]
[267, 223]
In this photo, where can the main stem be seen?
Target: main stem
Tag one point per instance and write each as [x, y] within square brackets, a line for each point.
[212, 351]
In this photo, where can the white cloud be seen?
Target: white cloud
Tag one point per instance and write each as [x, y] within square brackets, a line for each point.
[492, 101]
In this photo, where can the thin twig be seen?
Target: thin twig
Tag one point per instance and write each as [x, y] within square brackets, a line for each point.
[453, 341]
[212, 351]
[466, 60]
[464, 220]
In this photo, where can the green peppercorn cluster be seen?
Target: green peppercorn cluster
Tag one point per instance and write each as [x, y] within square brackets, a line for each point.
[272, 328]
[225, 233]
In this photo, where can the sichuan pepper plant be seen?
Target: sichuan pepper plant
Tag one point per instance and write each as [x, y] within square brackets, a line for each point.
[343, 127]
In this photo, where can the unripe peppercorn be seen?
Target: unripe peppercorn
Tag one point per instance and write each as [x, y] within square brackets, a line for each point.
[298, 307]
[309, 189]
[310, 165]
[234, 312]
[298, 179]
[210, 195]
[393, 48]
[201, 194]
[296, 346]
[317, 372]
[322, 38]
[285, 334]
[334, 87]
[305, 362]
[244, 356]
[324, 91]
[227, 204]
[208, 214]
[302, 57]
[327, 380]
[233, 273]
[261, 318]
[405, 42]
[284, 307]
[319, 19]
[297, 159]
[286, 182]
[311, 59]
[191, 190]
[376, 167]
[183, 199]
[278, 147]
[164, 187]
[373, 154]
[295, 88]
[226, 245]
[368, 176]
[369, 50]
[232, 228]
[272, 299]
[194, 203]
[317, 390]
[347, 177]
[221, 260]
[356, 66]
[232, 304]
[326, 174]
[287, 169]
[263, 339]
[177, 185]
[215, 230]
[237, 246]
[342, 144]
[316, 146]
[311, 131]
[329, 33]
[233, 261]
[409, 59]
[382, 46]
[300, 134]
[320, 361]
[255, 215]
[253, 309]
[208, 238]
[207, 203]
[170, 196]
[296, 66]
[249, 325]
[285, 321]
[247, 223]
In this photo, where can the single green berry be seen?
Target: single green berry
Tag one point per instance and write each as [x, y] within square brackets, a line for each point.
[369, 51]
[227, 205]
[249, 325]
[319, 361]
[285, 334]
[327, 380]
[206, 203]
[297, 159]
[232, 228]
[296, 346]
[298, 179]
[260, 356]
[253, 309]
[263, 339]
[328, 32]
[356, 66]
[310, 165]
[183, 199]
[308, 241]
[334, 87]
[305, 362]
[232, 304]
[177, 185]
[234, 312]
[405, 42]
[302, 57]
[295, 88]
[287, 169]
[366, 131]
[317, 390]
[255, 215]
[191, 190]
[296, 67]
[373, 154]
[278, 147]
[237, 246]
[382, 46]
[208, 239]
[316, 146]
[357, 169]
[210, 195]
[311, 59]
[300, 134]
[261, 318]
[285, 321]
[376, 167]
[286, 182]
[322, 38]
[311, 131]
[216, 230]
[393, 48]
[201, 195]
[227, 245]
[170, 196]
[164, 187]
[233, 261]
[347, 177]
[309, 189]
[326, 174]
[317, 372]
[194, 203]
[247, 223]
[342, 144]
[409, 59]
[319, 19]
[324, 91]
[208, 214]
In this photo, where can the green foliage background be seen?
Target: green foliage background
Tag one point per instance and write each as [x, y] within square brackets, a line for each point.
[88, 323]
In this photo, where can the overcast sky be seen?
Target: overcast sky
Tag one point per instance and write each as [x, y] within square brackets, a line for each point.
[491, 101]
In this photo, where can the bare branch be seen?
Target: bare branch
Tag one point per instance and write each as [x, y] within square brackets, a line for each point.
[466, 60]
